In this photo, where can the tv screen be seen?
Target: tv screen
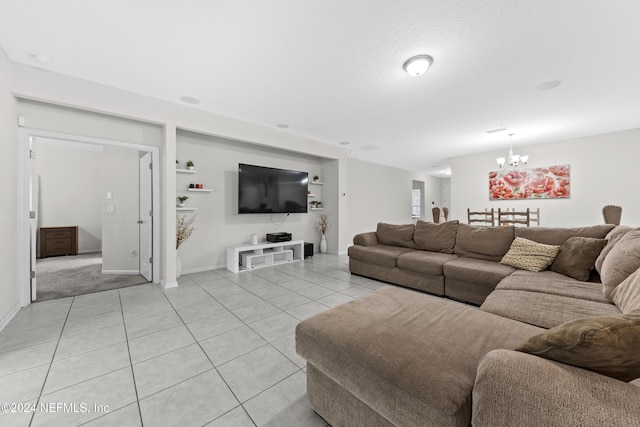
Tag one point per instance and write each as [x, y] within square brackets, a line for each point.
[269, 190]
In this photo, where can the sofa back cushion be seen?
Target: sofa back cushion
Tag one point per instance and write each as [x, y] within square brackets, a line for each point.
[626, 296]
[434, 237]
[557, 235]
[396, 234]
[623, 260]
[489, 243]
[612, 238]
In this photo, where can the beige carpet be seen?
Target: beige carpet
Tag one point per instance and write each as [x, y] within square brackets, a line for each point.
[68, 276]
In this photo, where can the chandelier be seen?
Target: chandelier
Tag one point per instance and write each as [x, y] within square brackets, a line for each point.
[512, 160]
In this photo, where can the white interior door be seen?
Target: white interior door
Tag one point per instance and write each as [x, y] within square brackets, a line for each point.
[33, 213]
[146, 217]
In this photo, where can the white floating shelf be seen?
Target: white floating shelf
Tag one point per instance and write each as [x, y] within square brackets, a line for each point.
[317, 209]
[186, 209]
[200, 190]
[185, 171]
[316, 182]
[311, 195]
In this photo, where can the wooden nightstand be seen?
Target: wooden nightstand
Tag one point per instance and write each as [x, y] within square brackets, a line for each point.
[55, 241]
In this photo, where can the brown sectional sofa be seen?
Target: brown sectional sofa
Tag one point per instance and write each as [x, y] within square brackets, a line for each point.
[460, 261]
[402, 357]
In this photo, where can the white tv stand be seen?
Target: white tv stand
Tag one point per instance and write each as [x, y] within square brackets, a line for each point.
[249, 257]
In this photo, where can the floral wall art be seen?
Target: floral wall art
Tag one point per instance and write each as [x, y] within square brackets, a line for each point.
[552, 182]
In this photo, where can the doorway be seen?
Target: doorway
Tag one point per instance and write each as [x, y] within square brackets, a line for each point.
[108, 192]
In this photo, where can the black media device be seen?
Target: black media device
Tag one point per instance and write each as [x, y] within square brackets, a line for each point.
[270, 190]
[278, 237]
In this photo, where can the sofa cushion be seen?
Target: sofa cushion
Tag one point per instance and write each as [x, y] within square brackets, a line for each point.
[396, 234]
[606, 345]
[612, 238]
[548, 282]
[388, 349]
[476, 271]
[488, 243]
[577, 257]
[557, 236]
[529, 255]
[424, 262]
[544, 310]
[436, 237]
[626, 296]
[379, 254]
[623, 260]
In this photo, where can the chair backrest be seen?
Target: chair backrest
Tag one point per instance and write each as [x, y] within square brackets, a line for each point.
[612, 214]
[440, 213]
[483, 218]
[507, 217]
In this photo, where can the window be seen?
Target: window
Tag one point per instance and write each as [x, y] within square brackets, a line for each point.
[416, 202]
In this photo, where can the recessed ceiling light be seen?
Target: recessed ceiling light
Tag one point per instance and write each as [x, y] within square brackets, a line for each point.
[42, 60]
[417, 65]
[282, 126]
[345, 143]
[190, 100]
[549, 85]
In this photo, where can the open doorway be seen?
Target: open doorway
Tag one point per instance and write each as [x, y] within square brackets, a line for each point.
[91, 213]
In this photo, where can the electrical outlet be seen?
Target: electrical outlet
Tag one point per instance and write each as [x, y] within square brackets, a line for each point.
[111, 208]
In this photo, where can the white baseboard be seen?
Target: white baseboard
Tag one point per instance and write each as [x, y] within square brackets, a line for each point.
[120, 272]
[201, 269]
[89, 251]
[10, 315]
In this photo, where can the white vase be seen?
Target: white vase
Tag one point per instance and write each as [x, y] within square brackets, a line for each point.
[323, 245]
[178, 265]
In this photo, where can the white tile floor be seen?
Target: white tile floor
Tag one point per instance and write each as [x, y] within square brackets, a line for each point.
[217, 351]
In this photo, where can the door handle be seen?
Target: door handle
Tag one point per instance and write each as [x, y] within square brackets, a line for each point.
[140, 221]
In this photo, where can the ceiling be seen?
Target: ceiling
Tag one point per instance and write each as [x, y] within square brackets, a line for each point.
[332, 70]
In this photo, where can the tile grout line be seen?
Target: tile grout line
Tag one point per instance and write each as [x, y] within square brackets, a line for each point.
[133, 374]
[53, 356]
[213, 366]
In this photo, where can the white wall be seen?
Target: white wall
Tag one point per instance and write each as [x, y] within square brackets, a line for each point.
[218, 223]
[8, 177]
[380, 193]
[604, 170]
[84, 97]
[69, 180]
[120, 240]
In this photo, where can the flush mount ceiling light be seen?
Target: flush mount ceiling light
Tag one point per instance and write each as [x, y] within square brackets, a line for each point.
[417, 65]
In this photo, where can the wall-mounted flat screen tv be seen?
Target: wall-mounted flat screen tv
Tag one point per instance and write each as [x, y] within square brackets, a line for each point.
[270, 190]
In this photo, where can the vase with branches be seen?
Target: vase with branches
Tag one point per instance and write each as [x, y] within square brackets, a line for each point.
[183, 229]
[322, 224]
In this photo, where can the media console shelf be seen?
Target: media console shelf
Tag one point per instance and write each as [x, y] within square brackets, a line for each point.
[249, 257]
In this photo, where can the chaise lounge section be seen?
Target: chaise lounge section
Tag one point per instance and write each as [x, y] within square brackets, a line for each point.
[402, 357]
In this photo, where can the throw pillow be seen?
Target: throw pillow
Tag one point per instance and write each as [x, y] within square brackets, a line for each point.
[436, 237]
[396, 234]
[607, 345]
[626, 296]
[529, 255]
[623, 260]
[577, 257]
